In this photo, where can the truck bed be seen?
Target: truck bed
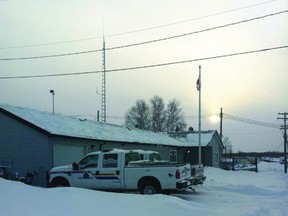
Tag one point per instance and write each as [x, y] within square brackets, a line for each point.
[146, 163]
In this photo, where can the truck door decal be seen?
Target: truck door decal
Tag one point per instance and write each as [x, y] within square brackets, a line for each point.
[86, 176]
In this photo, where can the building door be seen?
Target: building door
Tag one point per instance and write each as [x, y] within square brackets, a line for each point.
[67, 154]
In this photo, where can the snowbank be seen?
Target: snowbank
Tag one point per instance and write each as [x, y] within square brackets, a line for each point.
[223, 193]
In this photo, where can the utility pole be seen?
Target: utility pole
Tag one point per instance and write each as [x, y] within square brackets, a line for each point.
[221, 121]
[284, 127]
[221, 133]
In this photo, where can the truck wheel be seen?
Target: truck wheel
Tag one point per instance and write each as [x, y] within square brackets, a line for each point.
[149, 188]
[60, 182]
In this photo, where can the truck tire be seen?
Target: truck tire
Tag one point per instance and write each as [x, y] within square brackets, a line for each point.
[60, 182]
[149, 187]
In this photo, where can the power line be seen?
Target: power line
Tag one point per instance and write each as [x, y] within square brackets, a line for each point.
[51, 43]
[199, 31]
[196, 117]
[146, 42]
[193, 19]
[138, 30]
[250, 121]
[146, 66]
[51, 56]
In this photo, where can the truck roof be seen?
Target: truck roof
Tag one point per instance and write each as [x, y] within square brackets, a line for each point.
[115, 150]
[140, 151]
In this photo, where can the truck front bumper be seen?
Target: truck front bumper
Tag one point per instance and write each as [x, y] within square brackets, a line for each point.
[182, 185]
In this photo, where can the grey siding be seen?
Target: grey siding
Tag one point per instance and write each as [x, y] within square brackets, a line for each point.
[26, 147]
[216, 151]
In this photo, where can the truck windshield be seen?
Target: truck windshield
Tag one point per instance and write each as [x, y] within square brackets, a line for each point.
[89, 161]
[131, 156]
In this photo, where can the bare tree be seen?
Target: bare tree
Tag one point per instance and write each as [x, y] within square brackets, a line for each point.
[158, 114]
[156, 118]
[138, 115]
[175, 116]
[228, 148]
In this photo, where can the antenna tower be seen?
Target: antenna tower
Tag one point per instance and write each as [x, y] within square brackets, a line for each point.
[103, 104]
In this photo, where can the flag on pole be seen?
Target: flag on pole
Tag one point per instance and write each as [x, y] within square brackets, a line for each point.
[198, 84]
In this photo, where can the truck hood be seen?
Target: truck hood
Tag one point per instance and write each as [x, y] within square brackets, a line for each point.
[62, 168]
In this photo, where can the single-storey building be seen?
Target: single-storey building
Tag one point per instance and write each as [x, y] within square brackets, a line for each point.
[211, 147]
[32, 140]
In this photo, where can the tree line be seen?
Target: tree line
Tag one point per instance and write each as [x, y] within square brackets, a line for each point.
[155, 116]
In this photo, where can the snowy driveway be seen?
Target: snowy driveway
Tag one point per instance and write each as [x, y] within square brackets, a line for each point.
[243, 192]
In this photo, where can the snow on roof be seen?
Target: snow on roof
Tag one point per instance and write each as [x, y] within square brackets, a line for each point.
[58, 124]
[191, 139]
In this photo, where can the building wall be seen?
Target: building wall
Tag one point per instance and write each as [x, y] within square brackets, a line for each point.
[25, 147]
[191, 155]
[216, 153]
[211, 154]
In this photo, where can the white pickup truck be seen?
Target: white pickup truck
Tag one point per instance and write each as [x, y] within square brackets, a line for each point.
[197, 170]
[118, 169]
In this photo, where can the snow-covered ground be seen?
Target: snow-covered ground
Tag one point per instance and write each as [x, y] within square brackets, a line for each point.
[223, 193]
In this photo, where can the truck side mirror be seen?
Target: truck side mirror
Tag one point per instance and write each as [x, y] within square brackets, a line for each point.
[74, 166]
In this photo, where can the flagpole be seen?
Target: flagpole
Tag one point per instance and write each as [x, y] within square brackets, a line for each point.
[199, 126]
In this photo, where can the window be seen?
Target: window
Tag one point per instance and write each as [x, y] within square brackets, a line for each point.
[90, 161]
[173, 155]
[110, 160]
[216, 158]
[5, 162]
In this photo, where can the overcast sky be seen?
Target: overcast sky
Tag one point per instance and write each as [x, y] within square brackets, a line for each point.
[252, 86]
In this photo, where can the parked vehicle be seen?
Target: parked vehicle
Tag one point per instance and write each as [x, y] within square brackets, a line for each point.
[197, 170]
[118, 169]
[244, 163]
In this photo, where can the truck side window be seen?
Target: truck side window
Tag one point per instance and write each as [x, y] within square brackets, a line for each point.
[110, 160]
[153, 157]
[132, 156]
[90, 161]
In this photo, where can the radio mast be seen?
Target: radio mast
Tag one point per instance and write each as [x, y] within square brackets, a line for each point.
[103, 102]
